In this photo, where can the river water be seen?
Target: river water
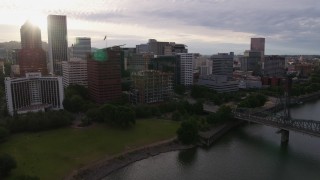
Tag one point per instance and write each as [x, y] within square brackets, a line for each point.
[249, 152]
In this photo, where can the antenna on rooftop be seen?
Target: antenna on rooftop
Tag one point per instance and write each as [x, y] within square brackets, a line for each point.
[105, 39]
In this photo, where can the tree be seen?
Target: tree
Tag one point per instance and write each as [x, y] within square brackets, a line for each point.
[27, 177]
[224, 113]
[254, 100]
[108, 112]
[188, 131]
[212, 118]
[38, 121]
[73, 104]
[179, 89]
[7, 163]
[76, 89]
[198, 108]
[4, 133]
[95, 114]
[176, 116]
[124, 117]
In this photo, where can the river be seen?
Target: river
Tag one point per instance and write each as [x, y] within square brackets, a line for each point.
[249, 152]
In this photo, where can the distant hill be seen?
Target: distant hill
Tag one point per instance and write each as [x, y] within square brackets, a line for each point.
[17, 45]
[10, 45]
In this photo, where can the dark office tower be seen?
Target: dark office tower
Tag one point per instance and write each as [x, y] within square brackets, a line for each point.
[30, 36]
[258, 44]
[222, 64]
[31, 57]
[104, 75]
[57, 43]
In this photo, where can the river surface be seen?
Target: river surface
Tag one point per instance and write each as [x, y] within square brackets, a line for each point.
[249, 152]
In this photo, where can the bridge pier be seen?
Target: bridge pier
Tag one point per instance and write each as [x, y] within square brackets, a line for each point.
[284, 136]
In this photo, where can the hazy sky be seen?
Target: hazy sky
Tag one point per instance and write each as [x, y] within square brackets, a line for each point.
[206, 26]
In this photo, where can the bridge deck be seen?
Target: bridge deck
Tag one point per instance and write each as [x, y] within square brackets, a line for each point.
[309, 127]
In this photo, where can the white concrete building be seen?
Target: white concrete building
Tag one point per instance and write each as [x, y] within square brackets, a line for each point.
[186, 68]
[33, 93]
[75, 72]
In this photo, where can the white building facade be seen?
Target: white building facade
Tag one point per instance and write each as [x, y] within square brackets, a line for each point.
[33, 93]
[186, 68]
[75, 72]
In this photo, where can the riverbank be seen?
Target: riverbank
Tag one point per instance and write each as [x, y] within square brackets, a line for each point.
[104, 167]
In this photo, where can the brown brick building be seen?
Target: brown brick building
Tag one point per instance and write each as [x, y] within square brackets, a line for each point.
[104, 75]
[32, 60]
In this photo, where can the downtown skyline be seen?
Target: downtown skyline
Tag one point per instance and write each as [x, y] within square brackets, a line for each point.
[206, 26]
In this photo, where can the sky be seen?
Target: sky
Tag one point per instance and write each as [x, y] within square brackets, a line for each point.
[205, 26]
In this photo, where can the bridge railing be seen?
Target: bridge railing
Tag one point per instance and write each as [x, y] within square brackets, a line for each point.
[311, 126]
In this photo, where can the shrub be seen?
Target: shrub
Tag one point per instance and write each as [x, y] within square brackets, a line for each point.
[7, 163]
[188, 131]
[4, 133]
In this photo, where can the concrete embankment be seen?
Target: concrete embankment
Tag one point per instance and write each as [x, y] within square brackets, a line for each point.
[104, 167]
[209, 137]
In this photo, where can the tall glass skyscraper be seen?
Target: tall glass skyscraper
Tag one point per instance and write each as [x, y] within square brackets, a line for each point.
[32, 58]
[82, 48]
[30, 36]
[58, 43]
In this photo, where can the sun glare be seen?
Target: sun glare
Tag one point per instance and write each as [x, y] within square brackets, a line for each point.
[38, 20]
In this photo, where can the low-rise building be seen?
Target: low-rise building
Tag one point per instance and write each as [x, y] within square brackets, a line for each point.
[273, 66]
[219, 83]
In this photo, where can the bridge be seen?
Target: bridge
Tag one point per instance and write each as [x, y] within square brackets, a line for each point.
[310, 127]
[283, 121]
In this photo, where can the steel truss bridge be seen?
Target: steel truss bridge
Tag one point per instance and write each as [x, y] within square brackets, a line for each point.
[265, 117]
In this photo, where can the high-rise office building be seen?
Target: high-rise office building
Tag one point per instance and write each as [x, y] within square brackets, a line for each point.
[258, 44]
[156, 47]
[57, 43]
[273, 66]
[251, 61]
[104, 75]
[31, 58]
[81, 48]
[30, 36]
[222, 64]
[186, 68]
[139, 62]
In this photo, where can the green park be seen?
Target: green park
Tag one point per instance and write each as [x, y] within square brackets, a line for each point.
[55, 153]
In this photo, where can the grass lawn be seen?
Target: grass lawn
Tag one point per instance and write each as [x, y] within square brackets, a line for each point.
[53, 154]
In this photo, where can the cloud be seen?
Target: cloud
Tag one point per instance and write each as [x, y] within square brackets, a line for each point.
[212, 23]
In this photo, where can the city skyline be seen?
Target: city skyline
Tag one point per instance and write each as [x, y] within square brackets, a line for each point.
[207, 27]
